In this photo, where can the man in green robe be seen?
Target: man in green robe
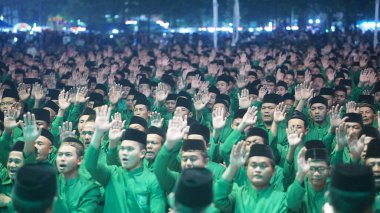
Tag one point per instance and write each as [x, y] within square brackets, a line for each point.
[257, 195]
[75, 192]
[372, 159]
[307, 192]
[129, 188]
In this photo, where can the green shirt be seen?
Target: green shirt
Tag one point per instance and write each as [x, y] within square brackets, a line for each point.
[304, 198]
[76, 195]
[230, 198]
[137, 191]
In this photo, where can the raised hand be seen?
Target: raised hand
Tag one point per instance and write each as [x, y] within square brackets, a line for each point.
[262, 92]
[364, 76]
[102, 123]
[30, 129]
[196, 82]
[115, 94]
[38, 92]
[66, 130]
[306, 91]
[23, 92]
[219, 118]
[161, 93]
[10, 117]
[239, 155]
[297, 92]
[64, 100]
[307, 76]
[204, 86]
[341, 136]
[330, 73]
[279, 113]
[117, 128]
[181, 84]
[83, 79]
[355, 145]
[176, 131]
[303, 165]
[80, 95]
[156, 119]
[244, 100]
[351, 107]
[200, 100]
[249, 119]
[294, 138]
[241, 81]
[335, 119]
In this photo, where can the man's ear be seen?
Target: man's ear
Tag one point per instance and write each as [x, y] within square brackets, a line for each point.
[80, 160]
[142, 153]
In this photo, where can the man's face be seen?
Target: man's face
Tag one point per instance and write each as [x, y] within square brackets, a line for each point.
[19, 78]
[131, 154]
[353, 128]
[6, 103]
[260, 171]
[153, 146]
[339, 97]
[318, 173]
[298, 124]
[141, 111]
[375, 164]
[67, 160]
[300, 79]
[170, 105]
[267, 111]
[235, 123]
[318, 83]
[129, 102]
[87, 133]
[368, 115]
[211, 102]
[288, 104]
[281, 90]
[145, 89]
[252, 140]
[81, 122]
[289, 80]
[182, 111]
[14, 163]
[222, 87]
[270, 86]
[318, 112]
[377, 97]
[42, 124]
[44, 148]
[192, 159]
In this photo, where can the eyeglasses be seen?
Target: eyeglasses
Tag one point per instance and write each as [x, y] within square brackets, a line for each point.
[319, 169]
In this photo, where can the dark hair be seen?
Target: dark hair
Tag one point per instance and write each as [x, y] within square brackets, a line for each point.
[348, 203]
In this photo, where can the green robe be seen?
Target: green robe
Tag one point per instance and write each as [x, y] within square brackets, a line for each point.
[76, 195]
[304, 199]
[137, 191]
[231, 198]
[6, 187]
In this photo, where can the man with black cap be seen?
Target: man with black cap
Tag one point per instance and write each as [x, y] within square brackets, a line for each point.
[307, 192]
[75, 192]
[141, 107]
[35, 188]
[367, 109]
[138, 123]
[372, 159]
[128, 188]
[194, 192]
[352, 190]
[257, 195]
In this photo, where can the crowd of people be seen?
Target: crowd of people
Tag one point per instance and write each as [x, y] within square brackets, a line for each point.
[283, 122]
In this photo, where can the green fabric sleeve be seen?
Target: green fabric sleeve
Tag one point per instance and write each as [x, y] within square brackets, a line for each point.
[74, 115]
[58, 121]
[295, 196]
[89, 201]
[5, 147]
[226, 147]
[166, 178]
[157, 198]
[99, 172]
[112, 157]
[224, 195]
